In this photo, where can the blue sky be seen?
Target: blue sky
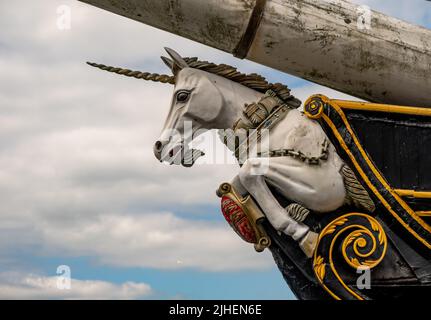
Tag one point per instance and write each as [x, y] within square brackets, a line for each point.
[79, 185]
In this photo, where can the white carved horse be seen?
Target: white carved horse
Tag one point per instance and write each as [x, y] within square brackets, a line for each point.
[212, 101]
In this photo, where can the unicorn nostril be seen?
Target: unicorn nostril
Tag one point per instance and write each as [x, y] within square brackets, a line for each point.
[158, 145]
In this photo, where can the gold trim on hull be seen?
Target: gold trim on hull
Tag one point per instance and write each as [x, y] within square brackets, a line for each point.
[426, 214]
[364, 106]
[413, 193]
[322, 264]
[353, 105]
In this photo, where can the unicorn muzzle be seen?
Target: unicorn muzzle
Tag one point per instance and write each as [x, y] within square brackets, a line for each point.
[178, 154]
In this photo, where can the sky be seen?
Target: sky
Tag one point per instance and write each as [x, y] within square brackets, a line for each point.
[79, 184]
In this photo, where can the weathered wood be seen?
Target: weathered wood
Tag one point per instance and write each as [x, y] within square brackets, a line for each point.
[318, 40]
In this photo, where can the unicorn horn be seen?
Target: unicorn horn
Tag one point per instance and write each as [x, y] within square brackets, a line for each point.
[163, 78]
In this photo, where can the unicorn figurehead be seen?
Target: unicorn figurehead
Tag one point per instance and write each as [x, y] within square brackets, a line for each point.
[217, 96]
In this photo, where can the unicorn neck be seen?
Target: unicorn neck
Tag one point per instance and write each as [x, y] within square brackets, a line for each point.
[235, 98]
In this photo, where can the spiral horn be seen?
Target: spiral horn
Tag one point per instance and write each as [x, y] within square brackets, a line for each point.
[163, 78]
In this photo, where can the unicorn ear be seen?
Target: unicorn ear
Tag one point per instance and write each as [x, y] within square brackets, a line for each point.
[169, 63]
[179, 62]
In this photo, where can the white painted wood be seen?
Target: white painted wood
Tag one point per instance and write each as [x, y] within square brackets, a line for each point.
[317, 40]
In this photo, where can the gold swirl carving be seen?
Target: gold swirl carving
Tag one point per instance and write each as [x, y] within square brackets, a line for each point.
[313, 107]
[363, 244]
[319, 268]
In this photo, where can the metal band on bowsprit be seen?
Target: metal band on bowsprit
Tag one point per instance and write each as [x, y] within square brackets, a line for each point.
[247, 38]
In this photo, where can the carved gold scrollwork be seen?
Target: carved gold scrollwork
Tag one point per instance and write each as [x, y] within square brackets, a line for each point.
[313, 108]
[362, 242]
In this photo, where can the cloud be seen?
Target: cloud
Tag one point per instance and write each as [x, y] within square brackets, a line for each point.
[32, 286]
[161, 241]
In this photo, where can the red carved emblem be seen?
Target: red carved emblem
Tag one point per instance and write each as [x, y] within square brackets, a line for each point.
[237, 219]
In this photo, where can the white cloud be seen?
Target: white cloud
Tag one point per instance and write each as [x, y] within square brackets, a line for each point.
[161, 241]
[32, 286]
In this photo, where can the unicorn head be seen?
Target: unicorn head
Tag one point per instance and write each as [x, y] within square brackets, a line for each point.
[206, 96]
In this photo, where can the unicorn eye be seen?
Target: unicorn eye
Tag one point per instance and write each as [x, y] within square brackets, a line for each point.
[183, 96]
